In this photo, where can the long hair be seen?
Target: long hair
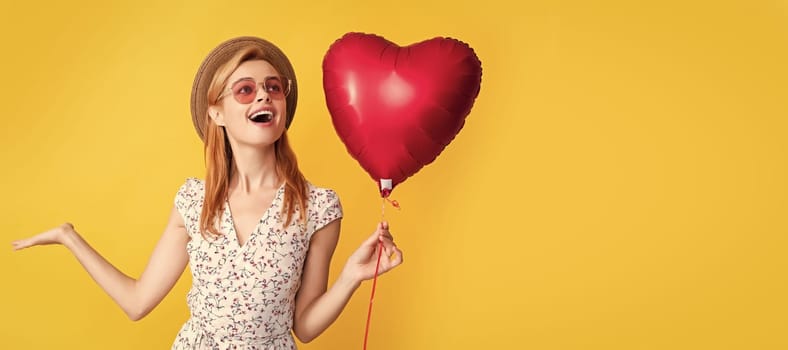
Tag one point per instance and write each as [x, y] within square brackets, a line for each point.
[219, 154]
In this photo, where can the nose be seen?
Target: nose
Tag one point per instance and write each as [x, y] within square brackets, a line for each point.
[262, 94]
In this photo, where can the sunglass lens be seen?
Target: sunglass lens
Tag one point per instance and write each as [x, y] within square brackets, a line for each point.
[274, 86]
[244, 91]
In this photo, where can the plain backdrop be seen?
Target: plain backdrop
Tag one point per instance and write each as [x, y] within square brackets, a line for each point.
[619, 184]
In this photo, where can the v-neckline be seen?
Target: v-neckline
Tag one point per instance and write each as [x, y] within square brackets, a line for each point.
[234, 230]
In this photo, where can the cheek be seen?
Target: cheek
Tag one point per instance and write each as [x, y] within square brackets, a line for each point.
[235, 114]
[282, 106]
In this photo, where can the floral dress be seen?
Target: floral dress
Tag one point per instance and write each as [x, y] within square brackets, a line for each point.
[243, 297]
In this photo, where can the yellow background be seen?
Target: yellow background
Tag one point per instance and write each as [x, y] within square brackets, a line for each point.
[619, 184]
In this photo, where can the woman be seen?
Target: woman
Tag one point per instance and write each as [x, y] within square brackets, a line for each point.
[258, 237]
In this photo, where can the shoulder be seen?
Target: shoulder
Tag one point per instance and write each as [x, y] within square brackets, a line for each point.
[320, 197]
[192, 190]
[323, 207]
[317, 191]
[192, 186]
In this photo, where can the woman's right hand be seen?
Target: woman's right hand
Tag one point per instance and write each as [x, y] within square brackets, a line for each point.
[137, 297]
[57, 235]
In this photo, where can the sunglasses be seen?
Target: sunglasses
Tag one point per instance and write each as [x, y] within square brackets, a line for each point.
[245, 90]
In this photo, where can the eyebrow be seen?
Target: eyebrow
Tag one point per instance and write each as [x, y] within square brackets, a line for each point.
[279, 77]
[244, 78]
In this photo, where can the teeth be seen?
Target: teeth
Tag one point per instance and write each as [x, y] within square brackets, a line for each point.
[261, 113]
[262, 117]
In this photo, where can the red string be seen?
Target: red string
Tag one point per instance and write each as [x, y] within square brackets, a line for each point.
[372, 297]
[377, 267]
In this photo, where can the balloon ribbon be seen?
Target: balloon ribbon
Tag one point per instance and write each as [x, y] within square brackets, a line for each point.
[372, 297]
[377, 267]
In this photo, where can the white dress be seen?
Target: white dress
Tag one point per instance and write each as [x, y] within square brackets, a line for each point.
[243, 297]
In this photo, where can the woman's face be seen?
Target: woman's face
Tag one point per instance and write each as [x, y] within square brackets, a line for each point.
[259, 118]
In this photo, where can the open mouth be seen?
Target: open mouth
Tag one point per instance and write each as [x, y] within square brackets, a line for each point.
[262, 116]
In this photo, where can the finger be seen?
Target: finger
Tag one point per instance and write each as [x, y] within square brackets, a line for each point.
[383, 227]
[369, 248]
[393, 261]
[20, 244]
[372, 239]
[387, 234]
[387, 239]
[390, 248]
[397, 260]
[387, 243]
[379, 231]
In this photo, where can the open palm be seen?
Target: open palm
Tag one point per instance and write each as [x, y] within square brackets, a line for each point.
[54, 236]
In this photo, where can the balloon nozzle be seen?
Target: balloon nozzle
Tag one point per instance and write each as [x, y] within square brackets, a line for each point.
[386, 186]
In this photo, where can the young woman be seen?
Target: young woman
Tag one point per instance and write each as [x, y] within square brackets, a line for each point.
[257, 235]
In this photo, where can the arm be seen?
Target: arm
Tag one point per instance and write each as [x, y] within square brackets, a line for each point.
[317, 308]
[136, 297]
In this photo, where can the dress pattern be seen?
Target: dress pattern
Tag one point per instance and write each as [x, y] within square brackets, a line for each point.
[243, 296]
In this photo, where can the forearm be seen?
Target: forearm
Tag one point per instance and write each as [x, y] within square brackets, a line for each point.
[325, 309]
[115, 283]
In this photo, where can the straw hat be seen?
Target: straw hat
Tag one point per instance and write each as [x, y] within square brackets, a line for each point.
[219, 56]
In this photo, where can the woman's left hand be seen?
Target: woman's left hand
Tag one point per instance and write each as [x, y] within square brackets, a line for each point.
[361, 264]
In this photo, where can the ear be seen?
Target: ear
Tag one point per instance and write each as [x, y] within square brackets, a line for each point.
[216, 115]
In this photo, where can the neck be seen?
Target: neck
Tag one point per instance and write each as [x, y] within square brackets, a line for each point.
[254, 169]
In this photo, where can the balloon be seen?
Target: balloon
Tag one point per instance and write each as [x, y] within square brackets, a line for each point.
[396, 108]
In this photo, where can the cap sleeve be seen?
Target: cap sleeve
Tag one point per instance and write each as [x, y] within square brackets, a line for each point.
[327, 208]
[187, 196]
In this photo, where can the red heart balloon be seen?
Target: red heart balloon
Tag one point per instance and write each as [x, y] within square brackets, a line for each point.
[396, 108]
